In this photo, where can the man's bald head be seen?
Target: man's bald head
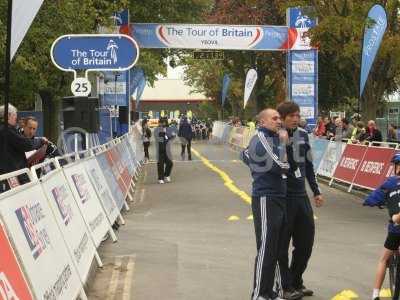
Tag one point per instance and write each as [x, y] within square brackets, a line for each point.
[269, 118]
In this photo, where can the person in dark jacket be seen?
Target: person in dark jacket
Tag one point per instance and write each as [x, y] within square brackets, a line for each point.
[146, 135]
[28, 130]
[372, 133]
[13, 145]
[186, 134]
[163, 135]
[267, 160]
[300, 217]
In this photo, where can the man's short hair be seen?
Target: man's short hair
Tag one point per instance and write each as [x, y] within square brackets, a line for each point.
[11, 110]
[287, 108]
[30, 118]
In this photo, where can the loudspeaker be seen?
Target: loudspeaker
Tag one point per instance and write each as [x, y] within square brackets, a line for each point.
[134, 116]
[123, 115]
[82, 112]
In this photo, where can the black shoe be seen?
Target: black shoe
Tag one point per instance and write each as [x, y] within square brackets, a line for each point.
[305, 291]
[292, 295]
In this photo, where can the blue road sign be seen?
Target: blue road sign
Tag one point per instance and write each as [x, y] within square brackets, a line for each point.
[95, 52]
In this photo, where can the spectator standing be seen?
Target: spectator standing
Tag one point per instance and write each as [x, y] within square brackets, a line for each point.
[372, 133]
[348, 129]
[49, 150]
[13, 145]
[359, 132]
[392, 134]
[186, 134]
[320, 129]
[146, 135]
[163, 135]
[330, 127]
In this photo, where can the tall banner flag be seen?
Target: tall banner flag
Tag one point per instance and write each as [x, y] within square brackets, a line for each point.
[23, 13]
[135, 76]
[251, 79]
[373, 35]
[225, 86]
[302, 65]
[122, 20]
[140, 89]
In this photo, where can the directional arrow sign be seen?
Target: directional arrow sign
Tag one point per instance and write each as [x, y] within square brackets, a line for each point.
[106, 52]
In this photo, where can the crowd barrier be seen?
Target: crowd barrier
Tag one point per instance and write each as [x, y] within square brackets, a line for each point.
[52, 226]
[358, 165]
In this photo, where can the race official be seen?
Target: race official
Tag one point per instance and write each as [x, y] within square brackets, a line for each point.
[300, 226]
[266, 158]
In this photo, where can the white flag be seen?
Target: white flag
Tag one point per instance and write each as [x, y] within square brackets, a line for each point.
[23, 13]
[251, 79]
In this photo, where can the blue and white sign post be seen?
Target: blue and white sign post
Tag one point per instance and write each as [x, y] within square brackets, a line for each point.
[94, 52]
[302, 65]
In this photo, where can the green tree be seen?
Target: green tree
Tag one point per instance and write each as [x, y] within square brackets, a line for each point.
[32, 70]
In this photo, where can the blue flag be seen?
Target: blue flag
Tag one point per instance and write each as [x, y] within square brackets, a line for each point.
[373, 35]
[121, 17]
[225, 86]
[135, 76]
[139, 90]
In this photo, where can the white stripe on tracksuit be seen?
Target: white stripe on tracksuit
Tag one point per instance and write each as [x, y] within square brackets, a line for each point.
[261, 251]
[267, 147]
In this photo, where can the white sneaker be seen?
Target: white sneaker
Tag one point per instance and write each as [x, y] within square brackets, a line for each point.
[161, 181]
[168, 179]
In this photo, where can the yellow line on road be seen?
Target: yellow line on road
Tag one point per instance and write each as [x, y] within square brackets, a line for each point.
[112, 288]
[128, 282]
[228, 182]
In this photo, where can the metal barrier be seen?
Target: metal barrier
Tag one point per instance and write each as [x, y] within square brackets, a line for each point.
[58, 213]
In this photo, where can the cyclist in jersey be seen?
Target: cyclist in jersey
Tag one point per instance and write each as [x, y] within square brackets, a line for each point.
[387, 194]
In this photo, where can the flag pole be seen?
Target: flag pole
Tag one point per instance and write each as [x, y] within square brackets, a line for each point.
[7, 64]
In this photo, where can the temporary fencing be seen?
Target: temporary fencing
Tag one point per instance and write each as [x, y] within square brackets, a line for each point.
[363, 165]
[51, 226]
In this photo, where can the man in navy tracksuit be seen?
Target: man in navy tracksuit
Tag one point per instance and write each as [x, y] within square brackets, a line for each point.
[300, 226]
[266, 158]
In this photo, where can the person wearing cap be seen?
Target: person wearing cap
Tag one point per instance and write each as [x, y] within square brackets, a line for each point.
[387, 194]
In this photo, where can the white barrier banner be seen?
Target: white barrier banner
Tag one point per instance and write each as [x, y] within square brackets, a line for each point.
[125, 159]
[130, 157]
[70, 221]
[331, 158]
[114, 186]
[99, 183]
[87, 201]
[132, 154]
[39, 244]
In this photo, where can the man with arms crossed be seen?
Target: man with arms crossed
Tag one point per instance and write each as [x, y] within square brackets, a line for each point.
[266, 158]
[300, 217]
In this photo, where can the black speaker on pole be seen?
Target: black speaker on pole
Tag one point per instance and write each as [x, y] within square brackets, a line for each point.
[123, 114]
[82, 112]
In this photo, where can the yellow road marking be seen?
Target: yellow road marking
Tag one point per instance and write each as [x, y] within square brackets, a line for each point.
[112, 288]
[233, 218]
[346, 295]
[385, 293]
[250, 217]
[228, 182]
[128, 279]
